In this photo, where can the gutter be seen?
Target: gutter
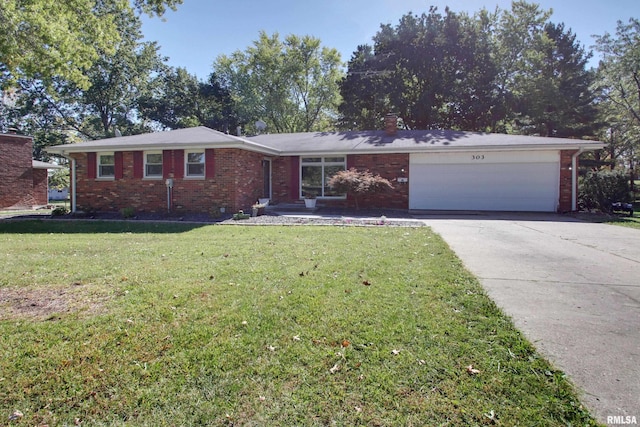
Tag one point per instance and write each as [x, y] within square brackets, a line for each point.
[574, 179]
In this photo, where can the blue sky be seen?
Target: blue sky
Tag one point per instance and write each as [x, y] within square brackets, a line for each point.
[200, 30]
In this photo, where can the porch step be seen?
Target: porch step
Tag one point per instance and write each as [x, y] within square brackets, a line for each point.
[290, 207]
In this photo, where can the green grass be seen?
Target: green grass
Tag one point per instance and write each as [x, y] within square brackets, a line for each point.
[165, 325]
[626, 221]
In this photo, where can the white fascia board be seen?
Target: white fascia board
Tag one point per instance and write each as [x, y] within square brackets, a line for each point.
[407, 150]
[81, 148]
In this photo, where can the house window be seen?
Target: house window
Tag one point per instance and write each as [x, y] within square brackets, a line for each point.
[194, 164]
[106, 165]
[316, 172]
[153, 165]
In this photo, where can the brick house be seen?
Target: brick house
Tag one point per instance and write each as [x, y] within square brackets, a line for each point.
[23, 181]
[430, 170]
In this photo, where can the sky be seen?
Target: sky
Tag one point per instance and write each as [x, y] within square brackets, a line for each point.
[201, 30]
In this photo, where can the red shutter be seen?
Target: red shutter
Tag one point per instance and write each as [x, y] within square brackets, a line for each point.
[167, 167]
[91, 165]
[138, 165]
[295, 178]
[209, 163]
[119, 165]
[178, 163]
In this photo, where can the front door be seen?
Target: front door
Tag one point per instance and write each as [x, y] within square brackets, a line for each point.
[266, 170]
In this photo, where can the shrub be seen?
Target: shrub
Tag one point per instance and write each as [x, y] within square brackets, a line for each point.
[359, 183]
[128, 212]
[599, 189]
[59, 211]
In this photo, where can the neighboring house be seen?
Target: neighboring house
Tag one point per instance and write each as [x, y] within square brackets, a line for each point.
[23, 181]
[430, 170]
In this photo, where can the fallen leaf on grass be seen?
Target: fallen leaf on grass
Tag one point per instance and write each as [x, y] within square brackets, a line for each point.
[366, 283]
[491, 415]
[15, 416]
[345, 343]
[472, 371]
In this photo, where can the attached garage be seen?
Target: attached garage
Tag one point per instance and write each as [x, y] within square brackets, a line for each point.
[485, 181]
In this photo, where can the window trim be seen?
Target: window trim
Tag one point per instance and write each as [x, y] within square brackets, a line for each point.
[145, 163]
[99, 174]
[203, 163]
[322, 164]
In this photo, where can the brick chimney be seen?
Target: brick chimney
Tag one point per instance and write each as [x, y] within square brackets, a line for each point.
[391, 124]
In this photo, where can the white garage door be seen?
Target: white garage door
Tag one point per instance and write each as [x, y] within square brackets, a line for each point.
[489, 181]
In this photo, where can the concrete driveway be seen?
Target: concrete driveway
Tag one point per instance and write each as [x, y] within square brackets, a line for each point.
[573, 288]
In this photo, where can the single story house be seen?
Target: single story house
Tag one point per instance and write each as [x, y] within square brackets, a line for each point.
[23, 181]
[202, 170]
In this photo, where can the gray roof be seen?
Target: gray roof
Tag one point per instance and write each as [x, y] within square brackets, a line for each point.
[310, 143]
[189, 138]
[407, 141]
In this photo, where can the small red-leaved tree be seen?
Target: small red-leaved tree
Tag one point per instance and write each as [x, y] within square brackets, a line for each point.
[359, 183]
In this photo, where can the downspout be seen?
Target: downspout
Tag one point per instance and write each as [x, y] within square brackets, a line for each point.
[574, 179]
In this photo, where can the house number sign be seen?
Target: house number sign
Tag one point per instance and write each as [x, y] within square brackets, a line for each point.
[477, 157]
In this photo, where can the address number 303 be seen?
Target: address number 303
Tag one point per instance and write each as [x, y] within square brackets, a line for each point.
[477, 157]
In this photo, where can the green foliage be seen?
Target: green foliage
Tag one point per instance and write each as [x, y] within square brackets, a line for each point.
[358, 183]
[177, 324]
[618, 85]
[180, 100]
[59, 179]
[44, 39]
[291, 85]
[128, 212]
[507, 71]
[59, 211]
[597, 190]
[54, 110]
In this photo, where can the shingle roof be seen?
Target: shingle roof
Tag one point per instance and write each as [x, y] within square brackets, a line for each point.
[410, 141]
[404, 141]
[195, 137]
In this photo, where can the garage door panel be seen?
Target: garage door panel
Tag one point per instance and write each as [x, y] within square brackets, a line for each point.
[501, 187]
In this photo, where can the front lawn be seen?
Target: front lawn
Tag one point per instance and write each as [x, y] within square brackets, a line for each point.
[149, 325]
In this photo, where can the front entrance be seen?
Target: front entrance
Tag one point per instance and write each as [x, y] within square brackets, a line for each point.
[266, 171]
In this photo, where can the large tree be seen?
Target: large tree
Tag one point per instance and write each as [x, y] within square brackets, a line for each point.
[181, 100]
[552, 95]
[57, 110]
[43, 39]
[543, 82]
[435, 70]
[618, 84]
[291, 85]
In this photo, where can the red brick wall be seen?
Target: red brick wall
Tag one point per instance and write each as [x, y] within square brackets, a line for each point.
[236, 183]
[40, 186]
[565, 203]
[16, 172]
[390, 166]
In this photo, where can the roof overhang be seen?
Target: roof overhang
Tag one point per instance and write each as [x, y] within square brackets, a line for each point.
[329, 143]
[37, 164]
